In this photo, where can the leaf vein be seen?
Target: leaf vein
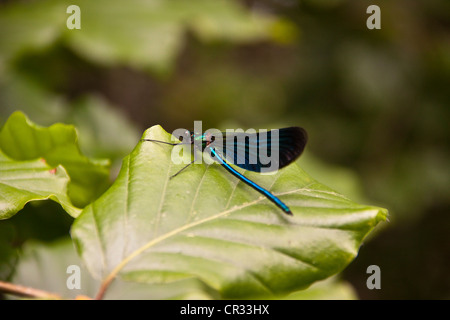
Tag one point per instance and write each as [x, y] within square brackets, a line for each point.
[191, 210]
[163, 197]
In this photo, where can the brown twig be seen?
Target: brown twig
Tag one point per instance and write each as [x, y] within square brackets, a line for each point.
[28, 292]
[104, 286]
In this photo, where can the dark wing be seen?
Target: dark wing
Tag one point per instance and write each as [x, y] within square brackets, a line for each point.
[264, 151]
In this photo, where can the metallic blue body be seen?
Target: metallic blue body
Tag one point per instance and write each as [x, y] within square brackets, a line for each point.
[290, 144]
[258, 188]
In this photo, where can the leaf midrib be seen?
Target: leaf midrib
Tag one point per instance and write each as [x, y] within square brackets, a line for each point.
[176, 231]
[163, 197]
[191, 211]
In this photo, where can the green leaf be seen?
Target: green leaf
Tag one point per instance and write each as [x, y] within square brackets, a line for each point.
[32, 26]
[33, 97]
[206, 225]
[341, 179]
[45, 266]
[22, 140]
[149, 34]
[104, 131]
[329, 289]
[24, 181]
[144, 34]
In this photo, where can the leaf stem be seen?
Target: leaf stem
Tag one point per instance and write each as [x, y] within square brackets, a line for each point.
[29, 292]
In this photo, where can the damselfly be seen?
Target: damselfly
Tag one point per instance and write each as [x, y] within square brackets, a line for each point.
[263, 151]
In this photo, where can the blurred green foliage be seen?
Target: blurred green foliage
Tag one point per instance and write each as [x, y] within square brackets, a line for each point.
[22, 140]
[374, 102]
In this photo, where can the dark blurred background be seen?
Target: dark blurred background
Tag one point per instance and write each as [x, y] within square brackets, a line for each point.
[374, 102]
